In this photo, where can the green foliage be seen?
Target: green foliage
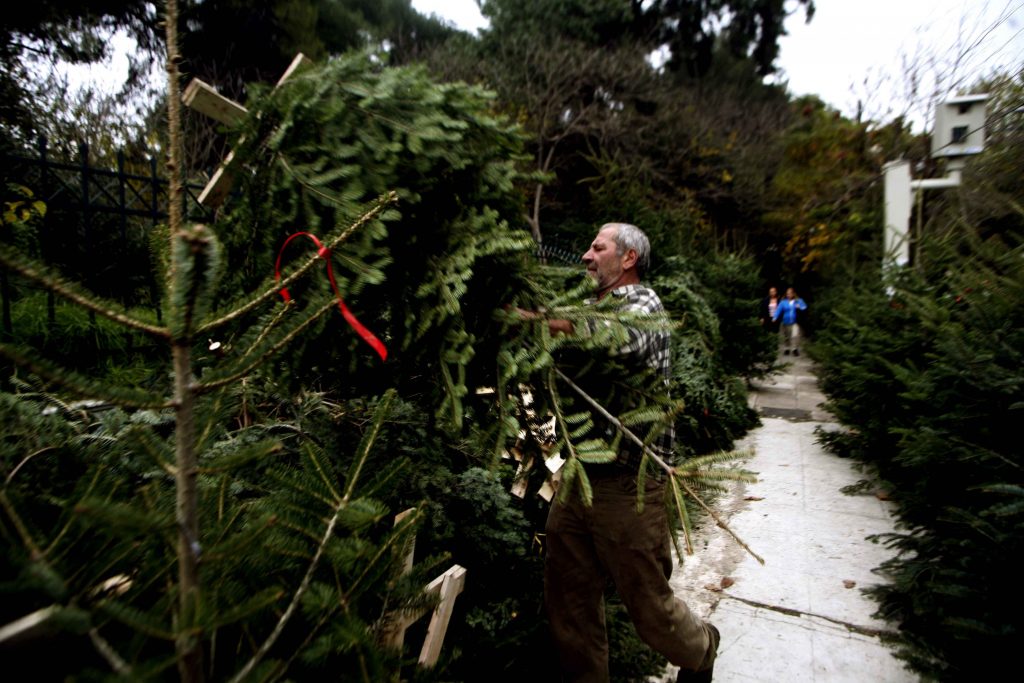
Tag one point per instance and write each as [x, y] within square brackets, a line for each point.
[86, 525]
[931, 382]
[426, 277]
[749, 29]
[823, 207]
[716, 411]
[728, 282]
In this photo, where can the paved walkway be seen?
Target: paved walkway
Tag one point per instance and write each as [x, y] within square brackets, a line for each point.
[801, 616]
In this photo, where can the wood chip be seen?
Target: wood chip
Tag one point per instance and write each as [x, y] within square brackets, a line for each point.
[754, 498]
[849, 584]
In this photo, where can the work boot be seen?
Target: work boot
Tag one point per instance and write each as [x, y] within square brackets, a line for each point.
[703, 675]
[796, 352]
[786, 352]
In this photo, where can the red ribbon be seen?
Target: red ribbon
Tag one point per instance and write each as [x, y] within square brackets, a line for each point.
[325, 253]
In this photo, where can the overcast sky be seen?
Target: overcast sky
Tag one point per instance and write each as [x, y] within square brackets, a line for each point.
[861, 50]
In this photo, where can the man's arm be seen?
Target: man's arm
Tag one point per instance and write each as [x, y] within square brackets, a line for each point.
[555, 325]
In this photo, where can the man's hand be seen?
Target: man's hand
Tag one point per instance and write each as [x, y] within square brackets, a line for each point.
[555, 326]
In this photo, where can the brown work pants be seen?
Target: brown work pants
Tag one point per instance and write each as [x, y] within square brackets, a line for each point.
[584, 547]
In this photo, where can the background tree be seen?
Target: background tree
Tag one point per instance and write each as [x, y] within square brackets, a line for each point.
[58, 30]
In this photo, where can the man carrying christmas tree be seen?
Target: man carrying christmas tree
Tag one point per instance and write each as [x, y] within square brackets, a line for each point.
[586, 545]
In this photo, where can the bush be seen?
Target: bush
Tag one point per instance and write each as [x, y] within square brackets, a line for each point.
[931, 383]
[716, 410]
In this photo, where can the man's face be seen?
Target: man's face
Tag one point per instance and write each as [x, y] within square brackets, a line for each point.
[603, 261]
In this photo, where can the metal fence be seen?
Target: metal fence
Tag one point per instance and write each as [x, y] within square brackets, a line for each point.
[87, 209]
[563, 251]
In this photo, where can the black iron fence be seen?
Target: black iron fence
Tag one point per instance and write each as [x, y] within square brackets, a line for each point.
[97, 222]
[559, 250]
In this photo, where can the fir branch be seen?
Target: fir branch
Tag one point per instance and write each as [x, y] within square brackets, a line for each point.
[274, 289]
[71, 518]
[81, 385]
[206, 387]
[572, 468]
[684, 516]
[242, 456]
[671, 471]
[136, 619]
[19, 526]
[188, 645]
[323, 475]
[270, 326]
[66, 289]
[366, 444]
[108, 653]
[308, 184]
[386, 548]
[148, 443]
[10, 477]
[364, 449]
[293, 605]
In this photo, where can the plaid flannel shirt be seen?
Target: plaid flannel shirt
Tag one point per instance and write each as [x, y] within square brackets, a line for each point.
[653, 348]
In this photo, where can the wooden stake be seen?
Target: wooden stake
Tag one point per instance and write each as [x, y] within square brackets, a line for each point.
[206, 100]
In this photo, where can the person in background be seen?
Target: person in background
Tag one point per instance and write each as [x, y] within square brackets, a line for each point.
[769, 304]
[787, 312]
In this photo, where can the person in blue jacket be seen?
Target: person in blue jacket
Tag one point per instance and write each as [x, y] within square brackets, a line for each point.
[786, 310]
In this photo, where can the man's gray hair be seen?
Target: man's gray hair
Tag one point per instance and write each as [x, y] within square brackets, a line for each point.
[628, 236]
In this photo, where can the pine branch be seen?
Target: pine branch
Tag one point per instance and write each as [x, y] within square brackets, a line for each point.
[293, 605]
[274, 290]
[108, 653]
[206, 387]
[573, 460]
[366, 444]
[62, 287]
[19, 526]
[671, 471]
[81, 385]
[364, 450]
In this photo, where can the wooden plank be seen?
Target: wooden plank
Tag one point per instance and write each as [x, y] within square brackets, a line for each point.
[410, 546]
[300, 61]
[216, 191]
[396, 637]
[405, 621]
[28, 626]
[452, 583]
[204, 99]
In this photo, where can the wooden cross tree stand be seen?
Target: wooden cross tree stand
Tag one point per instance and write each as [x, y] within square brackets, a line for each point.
[204, 99]
[445, 588]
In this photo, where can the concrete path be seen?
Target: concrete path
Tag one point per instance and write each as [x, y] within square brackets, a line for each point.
[801, 616]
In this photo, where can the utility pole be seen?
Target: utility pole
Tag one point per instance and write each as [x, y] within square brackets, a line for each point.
[959, 133]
